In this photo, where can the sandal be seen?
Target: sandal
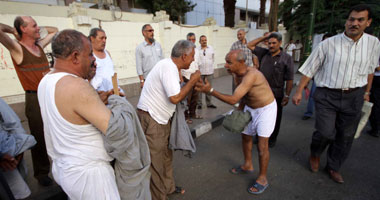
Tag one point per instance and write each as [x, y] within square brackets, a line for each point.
[239, 170]
[260, 188]
[179, 190]
[189, 121]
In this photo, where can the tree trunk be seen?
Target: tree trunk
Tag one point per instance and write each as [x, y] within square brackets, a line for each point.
[273, 15]
[262, 12]
[229, 12]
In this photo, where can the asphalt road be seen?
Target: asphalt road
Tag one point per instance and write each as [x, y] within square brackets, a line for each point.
[206, 175]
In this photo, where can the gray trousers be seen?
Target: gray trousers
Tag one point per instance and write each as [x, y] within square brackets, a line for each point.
[208, 96]
[337, 117]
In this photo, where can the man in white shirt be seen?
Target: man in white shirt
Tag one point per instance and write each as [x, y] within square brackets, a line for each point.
[192, 98]
[290, 47]
[102, 81]
[342, 67]
[159, 96]
[297, 52]
[206, 66]
[148, 53]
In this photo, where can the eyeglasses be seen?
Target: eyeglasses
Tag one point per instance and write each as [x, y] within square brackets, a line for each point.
[150, 30]
[204, 52]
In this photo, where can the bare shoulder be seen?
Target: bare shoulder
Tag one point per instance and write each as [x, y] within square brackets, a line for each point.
[74, 89]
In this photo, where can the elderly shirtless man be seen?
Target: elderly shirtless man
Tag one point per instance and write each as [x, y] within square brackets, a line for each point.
[255, 96]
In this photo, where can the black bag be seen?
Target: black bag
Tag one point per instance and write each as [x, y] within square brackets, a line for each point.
[236, 121]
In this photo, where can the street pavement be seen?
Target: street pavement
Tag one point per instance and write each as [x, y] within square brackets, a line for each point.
[206, 175]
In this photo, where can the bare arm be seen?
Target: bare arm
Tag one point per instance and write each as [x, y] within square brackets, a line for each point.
[298, 95]
[47, 39]
[368, 88]
[194, 78]
[13, 47]
[255, 60]
[288, 90]
[252, 44]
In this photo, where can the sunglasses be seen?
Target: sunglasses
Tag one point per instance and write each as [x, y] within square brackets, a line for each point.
[151, 30]
[204, 52]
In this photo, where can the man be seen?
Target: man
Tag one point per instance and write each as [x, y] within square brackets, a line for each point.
[252, 59]
[192, 98]
[31, 64]
[75, 119]
[277, 67]
[255, 97]
[374, 118]
[156, 106]
[148, 53]
[206, 66]
[290, 48]
[298, 50]
[342, 67]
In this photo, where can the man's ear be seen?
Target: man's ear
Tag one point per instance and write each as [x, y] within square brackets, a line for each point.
[369, 22]
[75, 57]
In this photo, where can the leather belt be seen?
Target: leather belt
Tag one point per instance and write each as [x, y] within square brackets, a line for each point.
[344, 90]
[30, 91]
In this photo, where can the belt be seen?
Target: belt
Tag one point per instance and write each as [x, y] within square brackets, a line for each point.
[344, 90]
[30, 91]
[138, 109]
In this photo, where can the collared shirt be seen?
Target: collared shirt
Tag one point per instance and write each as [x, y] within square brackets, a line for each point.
[206, 60]
[276, 69]
[147, 56]
[193, 66]
[339, 62]
[239, 45]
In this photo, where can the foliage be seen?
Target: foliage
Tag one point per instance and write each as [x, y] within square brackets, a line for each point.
[175, 8]
[330, 15]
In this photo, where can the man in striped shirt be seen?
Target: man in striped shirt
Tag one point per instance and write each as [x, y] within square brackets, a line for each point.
[342, 67]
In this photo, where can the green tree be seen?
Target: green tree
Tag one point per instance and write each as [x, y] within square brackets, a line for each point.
[175, 8]
[330, 15]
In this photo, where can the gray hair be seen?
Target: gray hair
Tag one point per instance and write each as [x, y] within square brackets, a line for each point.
[143, 27]
[275, 35]
[182, 47]
[19, 21]
[241, 30]
[66, 42]
[94, 32]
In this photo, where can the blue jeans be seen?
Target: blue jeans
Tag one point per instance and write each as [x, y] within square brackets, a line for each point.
[310, 103]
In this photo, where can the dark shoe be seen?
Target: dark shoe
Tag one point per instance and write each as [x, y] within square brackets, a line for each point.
[374, 133]
[179, 190]
[305, 117]
[314, 163]
[199, 107]
[335, 176]
[211, 106]
[45, 181]
[271, 144]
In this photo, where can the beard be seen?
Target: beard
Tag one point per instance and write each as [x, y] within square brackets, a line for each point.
[151, 40]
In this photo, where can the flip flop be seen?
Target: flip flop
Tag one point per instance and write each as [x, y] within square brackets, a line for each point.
[239, 170]
[189, 121]
[260, 188]
[179, 190]
[198, 117]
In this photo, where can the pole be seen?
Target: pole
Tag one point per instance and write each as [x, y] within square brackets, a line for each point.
[310, 32]
[246, 13]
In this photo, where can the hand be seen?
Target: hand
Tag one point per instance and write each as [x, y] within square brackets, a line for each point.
[15, 33]
[195, 76]
[8, 163]
[284, 101]
[297, 98]
[103, 95]
[366, 97]
[141, 84]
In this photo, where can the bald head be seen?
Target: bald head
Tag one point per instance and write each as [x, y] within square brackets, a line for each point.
[21, 21]
[236, 55]
[241, 34]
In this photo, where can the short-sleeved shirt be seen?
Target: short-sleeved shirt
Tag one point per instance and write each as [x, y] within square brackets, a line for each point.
[239, 45]
[206, 60]
[276, 69]
[146, 57]
[162, 83]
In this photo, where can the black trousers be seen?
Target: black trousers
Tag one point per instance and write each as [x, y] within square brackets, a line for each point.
[273, 136]
[41, 164]
[337, 117]
[374, 119]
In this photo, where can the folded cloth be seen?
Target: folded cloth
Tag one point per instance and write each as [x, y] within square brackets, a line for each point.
[125, 141]
[180, 135]
[236, 121]
[366, 112]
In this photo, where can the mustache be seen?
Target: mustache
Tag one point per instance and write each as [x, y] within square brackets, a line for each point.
[356, 27]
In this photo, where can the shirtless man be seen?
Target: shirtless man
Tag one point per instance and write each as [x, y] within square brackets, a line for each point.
[31, 64]
[255, 96]
[75, 119]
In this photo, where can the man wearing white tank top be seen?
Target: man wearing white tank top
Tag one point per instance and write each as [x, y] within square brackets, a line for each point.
[74, 120]
[102, 81]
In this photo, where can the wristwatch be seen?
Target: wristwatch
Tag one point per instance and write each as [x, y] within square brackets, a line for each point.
[142, 81]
